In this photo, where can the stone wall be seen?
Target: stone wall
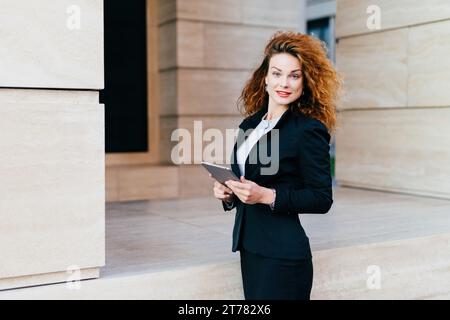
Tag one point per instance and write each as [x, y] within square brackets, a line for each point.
[395, 117]
[52, 207]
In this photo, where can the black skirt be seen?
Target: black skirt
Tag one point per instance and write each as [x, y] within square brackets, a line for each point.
[275, 279]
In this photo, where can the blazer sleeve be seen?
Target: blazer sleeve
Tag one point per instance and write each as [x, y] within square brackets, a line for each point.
[314, 162]
[228, 206]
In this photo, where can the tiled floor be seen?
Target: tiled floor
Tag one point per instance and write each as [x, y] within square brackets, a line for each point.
[152, 236]
[145, 237]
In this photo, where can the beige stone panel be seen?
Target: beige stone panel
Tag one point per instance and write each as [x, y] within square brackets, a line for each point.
[53, 199]
[375, 70]
[190, 44]
[39, 48]
[207, 10]
[404, 150]
[280, 14]
[167, 40]
[429, 65]
[147, 182]
[169, 92]
[209, 92]
[352, 16]
[235, 46]
[49, 278]
[206, 137]
[52, 96]
[167, 10]
[194, 182]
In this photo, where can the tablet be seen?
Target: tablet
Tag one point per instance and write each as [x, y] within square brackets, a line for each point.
[221, 174]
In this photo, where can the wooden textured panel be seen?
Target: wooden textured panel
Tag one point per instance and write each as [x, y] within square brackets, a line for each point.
[281, 13]
[396, 150]
[220, 123]
[52, 208]
[38, 49]
[211, 92]
[375, 69]
[232, 46]
[168, 92]
[147, 182]
[429, 65]
[190, 44]
[167, 10]
[167, 46]
[351, 16]
[207, 10]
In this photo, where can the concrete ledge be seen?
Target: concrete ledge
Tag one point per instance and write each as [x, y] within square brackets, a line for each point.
[46, 278]
[409, 270]
[153, 251]
[416, 268]
[214, 281]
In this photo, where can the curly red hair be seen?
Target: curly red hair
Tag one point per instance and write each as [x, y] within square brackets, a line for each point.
[321, 82]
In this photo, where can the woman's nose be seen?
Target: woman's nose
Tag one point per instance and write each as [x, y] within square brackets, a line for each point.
[284, 82]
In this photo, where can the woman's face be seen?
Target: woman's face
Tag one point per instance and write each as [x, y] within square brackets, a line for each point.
[284, 79]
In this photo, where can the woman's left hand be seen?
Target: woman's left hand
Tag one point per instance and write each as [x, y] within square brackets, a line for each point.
[250, 192]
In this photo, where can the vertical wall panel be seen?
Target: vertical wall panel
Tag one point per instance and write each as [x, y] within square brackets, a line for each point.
[41, 45]
[52, 187]
[395, 136]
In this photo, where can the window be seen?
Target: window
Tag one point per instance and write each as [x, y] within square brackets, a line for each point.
[323, 29]
[125, 93]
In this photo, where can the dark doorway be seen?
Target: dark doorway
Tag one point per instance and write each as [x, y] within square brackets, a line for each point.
[125, 93]
[320, 28]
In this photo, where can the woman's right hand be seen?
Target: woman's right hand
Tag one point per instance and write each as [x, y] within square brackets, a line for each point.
[221, 192]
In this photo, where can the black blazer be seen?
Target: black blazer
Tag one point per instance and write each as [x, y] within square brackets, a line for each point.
[303, 185]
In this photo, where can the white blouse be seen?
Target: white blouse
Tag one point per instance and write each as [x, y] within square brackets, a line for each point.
[244, 149]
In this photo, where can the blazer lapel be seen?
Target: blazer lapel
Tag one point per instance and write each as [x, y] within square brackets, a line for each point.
[248, 123]
[251, 123]
[234, 164]
[253, 170]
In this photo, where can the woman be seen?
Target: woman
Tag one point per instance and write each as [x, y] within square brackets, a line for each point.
[294, 93]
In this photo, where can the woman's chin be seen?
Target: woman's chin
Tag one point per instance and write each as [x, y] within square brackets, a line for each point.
[283, 101]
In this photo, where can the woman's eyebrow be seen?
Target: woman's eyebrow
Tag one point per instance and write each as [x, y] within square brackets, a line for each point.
[282, 70]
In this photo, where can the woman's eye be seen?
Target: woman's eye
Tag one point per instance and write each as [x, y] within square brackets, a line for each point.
[276, 74]
[295, 76]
